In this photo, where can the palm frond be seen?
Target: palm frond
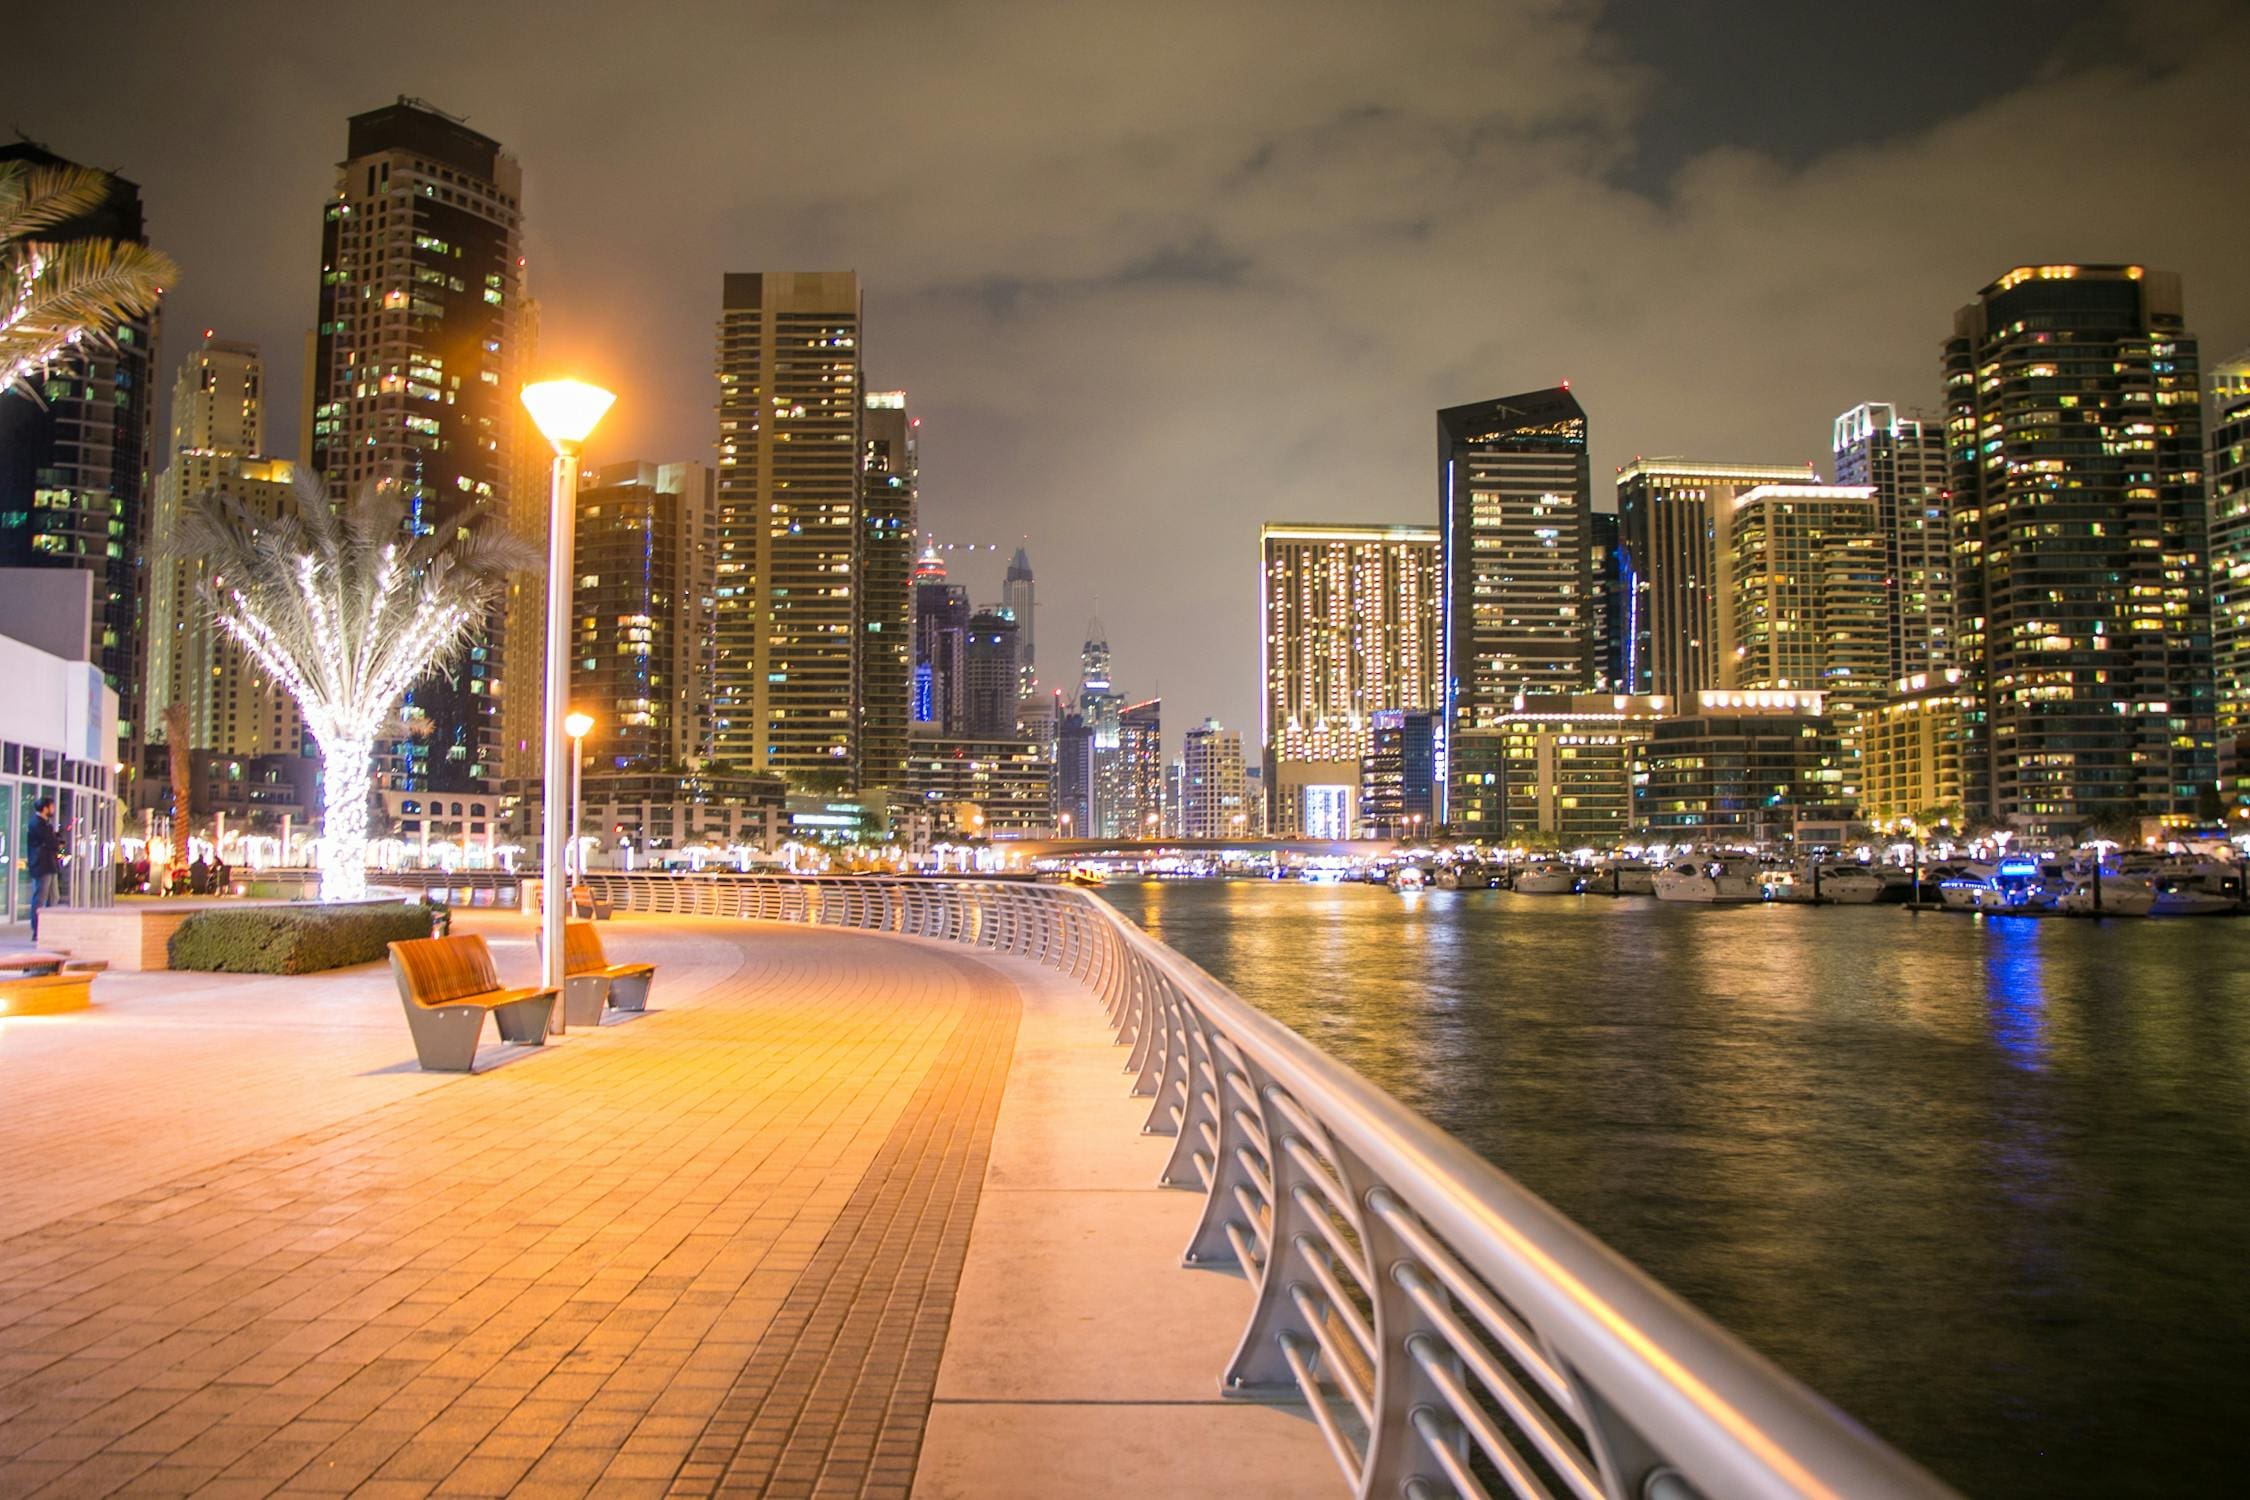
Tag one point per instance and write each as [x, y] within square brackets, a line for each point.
[75, 290]
[33, 197]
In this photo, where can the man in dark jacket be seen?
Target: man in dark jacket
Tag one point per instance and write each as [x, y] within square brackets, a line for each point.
[42, 847]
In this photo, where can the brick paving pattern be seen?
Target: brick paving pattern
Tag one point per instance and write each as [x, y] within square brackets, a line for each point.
[547, 1279]
[834, 1400]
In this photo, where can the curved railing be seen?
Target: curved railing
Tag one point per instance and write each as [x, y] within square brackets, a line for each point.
[1451, 1332]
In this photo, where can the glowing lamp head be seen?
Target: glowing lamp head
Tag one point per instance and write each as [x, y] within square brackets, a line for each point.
[566, 411]
[578, 726]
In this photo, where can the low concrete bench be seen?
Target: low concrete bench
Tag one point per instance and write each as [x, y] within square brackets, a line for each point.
[448, 986]
[45, 992]
[591, 981]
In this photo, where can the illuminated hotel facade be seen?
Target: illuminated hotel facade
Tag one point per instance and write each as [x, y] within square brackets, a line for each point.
[1911, 751]
[1744, 768]
[2074, 422]
[1349, 630]
[1563, 768]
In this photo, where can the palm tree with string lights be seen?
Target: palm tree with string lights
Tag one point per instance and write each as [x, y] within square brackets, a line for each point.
[56, 295]
[347, 604]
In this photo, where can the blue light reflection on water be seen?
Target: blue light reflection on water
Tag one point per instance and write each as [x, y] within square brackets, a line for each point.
[1983, 1182]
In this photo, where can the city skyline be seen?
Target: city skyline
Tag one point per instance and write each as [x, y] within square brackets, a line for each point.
[1320, 224]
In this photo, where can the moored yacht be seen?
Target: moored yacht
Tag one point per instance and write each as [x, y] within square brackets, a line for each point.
[1622, 877]
[1547, 877]
[1712, 880]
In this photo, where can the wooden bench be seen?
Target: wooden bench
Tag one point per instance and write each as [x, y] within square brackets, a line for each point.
[591, 981]
[35, 963]
[448, 986]
[589, 903]
[46, 992]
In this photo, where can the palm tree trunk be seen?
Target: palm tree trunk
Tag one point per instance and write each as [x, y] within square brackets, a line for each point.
[180, 753]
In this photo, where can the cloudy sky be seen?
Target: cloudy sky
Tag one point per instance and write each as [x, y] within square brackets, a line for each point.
[1156, 273]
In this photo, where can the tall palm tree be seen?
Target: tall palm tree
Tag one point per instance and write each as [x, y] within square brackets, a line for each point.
[57, 294]
[347, 604]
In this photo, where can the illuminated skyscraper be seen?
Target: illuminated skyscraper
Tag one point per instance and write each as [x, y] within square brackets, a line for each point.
[75, 465]
[890, 474]
[2229, 478]
[217, 446]
[1140, 770]
[1212, 794]
[1350, 630]
[1605, 554]
[989, 676]
[2074, 420]
[1514, 503]
[1671, 517]
[1804, 593]
[1903, 458]
[1018, 595]
[641, 614]
[790, 471]
[421, 347]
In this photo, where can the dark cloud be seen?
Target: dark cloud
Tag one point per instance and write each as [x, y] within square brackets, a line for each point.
[1156, 273]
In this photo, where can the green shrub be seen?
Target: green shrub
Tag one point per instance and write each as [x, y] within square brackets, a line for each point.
[294, 939]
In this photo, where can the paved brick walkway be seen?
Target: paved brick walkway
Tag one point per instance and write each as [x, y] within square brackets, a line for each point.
[583, 1271]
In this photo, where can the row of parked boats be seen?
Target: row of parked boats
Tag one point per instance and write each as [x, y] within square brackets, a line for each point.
[2128, 885]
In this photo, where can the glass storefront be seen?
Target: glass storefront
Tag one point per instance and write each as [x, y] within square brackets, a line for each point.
[85, 811]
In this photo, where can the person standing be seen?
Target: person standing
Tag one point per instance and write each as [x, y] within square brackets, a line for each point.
[42, 846]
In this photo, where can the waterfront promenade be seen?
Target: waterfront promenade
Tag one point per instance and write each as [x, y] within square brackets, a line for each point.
[843, 1214]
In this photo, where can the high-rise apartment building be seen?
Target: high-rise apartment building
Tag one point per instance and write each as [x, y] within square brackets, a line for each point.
[1903, 460]
[217, 447]
[1804, 593]
[1514, 507]
[2074, 420]
[989, 687]
[75, 465]
[1018, 595]
[790, 467]
[1139, 812]
[422, 344]
[1672, 515]
[1212, 794]
[1397, 782]
[1074, 779]
[890, 477]
[641, 616]
[2228, 474]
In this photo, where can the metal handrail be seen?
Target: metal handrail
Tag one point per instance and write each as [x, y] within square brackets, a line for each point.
[1451, 1332]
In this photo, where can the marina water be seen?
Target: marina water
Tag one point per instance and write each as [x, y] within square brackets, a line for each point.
[1982, 1182]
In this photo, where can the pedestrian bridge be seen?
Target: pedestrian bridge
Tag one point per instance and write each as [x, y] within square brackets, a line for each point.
[935, 1187]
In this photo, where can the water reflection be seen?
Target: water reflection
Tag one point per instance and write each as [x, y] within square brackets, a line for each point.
[1984, 1184]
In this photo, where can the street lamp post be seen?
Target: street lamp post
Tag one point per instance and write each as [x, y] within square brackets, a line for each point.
[577, 726]
[566, 412]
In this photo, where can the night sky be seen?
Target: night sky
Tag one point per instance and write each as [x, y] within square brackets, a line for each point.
[1153, 274]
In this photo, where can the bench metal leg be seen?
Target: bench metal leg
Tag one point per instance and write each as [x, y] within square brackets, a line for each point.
[525, 1021]
[445, 1036]
[583, 996]
[630, 992]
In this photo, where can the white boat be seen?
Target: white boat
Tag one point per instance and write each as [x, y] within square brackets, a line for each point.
[1409, 878]
[1725, 879]
[1547, 877]
[2121, 895]
[1623, 877]
[2185, 893]
[2017, 886]
[1845, 884]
